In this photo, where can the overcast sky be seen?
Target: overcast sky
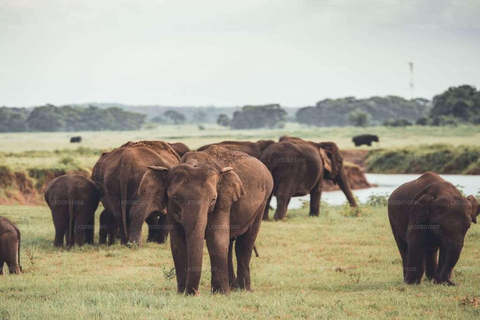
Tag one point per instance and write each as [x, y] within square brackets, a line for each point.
[224, 52]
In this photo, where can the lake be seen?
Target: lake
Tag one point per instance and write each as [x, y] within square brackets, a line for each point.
[386, 184]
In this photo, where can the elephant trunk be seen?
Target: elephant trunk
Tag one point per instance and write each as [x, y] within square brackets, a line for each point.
[452, 256]
[195, 235]
[342, 181]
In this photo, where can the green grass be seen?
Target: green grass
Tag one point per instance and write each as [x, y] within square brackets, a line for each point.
[440, 158]
[334, 266]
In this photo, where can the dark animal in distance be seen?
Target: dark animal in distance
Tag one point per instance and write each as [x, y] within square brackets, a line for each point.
[429, 219]
[77, 139]
[218, 195]
[73, 200]
[365, 139]
[10, 240]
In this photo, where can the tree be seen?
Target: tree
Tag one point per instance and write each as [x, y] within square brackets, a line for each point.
[200, 116]
[265, 116]
[359, 118]
[175, 116]
[223, 120]
[462, 103]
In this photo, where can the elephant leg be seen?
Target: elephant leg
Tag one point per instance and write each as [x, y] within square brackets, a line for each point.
[231, 270]
[282, 206]
[59, 235]
[415, 263]
[218, 243]
[441, 262]
[1, 266]
[91, 230]
[431, 258]
[315, 197]
[267, 208]
[68, 238]
[80, 235]
[178, 244]
[243, 249]
[403, 249]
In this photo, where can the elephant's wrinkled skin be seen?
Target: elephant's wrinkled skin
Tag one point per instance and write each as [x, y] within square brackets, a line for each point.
[73, 200]
[217, 195]
[298, 168]
[9, 246]
[254, 149]
[428, 215]
[118, 174]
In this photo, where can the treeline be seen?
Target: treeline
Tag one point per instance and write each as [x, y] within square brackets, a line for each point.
[68, 118]
[362, 112]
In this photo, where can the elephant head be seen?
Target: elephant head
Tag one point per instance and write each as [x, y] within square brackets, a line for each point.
[448, 219]
[334, 169]
[264, 144]
[190, 192]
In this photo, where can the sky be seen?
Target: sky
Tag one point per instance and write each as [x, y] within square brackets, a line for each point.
[233, 53]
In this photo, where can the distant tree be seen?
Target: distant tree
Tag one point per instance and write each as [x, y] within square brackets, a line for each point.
[265, 116]
[223, 120]
[13, 119]
[462, 103]
[175, 116]
[397, 123]
[158, 119]
[359, 118]
[422, 121]
[335, 112]
[46, 118]
[200, 116]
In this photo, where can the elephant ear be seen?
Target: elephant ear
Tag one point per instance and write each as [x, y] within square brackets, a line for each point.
[420, 212]
[330, 151]
[230, 188]
[152, 191]
[475, 208]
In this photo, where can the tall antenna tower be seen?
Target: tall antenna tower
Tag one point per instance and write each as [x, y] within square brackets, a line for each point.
[411, 79]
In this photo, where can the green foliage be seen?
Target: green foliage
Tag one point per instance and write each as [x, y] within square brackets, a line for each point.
[397, 123]
[378, 200]
[68, 118]
[175, 116]
[337, 112]
[440, 158]
[266, 116]
[461, 103]
[223, 120]
[359, 118]
[13, 119]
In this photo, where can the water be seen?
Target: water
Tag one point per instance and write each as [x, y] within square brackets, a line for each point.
[386, 184]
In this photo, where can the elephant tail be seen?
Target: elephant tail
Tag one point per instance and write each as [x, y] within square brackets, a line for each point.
[70, 222]
[123, 203]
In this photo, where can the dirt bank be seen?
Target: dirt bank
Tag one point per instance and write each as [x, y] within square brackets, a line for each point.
[356, 178]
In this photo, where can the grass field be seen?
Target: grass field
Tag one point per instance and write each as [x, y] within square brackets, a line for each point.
[334, 266]
[20, 151]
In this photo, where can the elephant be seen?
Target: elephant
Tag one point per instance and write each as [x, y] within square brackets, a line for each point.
[77, 139]
[429, 216]
[253, 149]
[108, 228]
[73, 200]
[10, 240]
[365, 139]
[299, 167]
[180, 148]
[158, 227]
[118, 174]
[218, 195]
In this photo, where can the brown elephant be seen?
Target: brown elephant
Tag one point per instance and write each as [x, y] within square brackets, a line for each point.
[299, 167]
[218, 195]
[118, 174]
[428, 215]
[73, 200]
[180, 148]
[254, 149]
[10, 241]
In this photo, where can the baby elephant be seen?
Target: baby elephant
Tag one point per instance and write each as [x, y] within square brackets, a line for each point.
[429, 215]
[9, 246]
[73, 200]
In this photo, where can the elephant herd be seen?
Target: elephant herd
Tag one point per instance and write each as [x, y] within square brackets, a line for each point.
[221, 193]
